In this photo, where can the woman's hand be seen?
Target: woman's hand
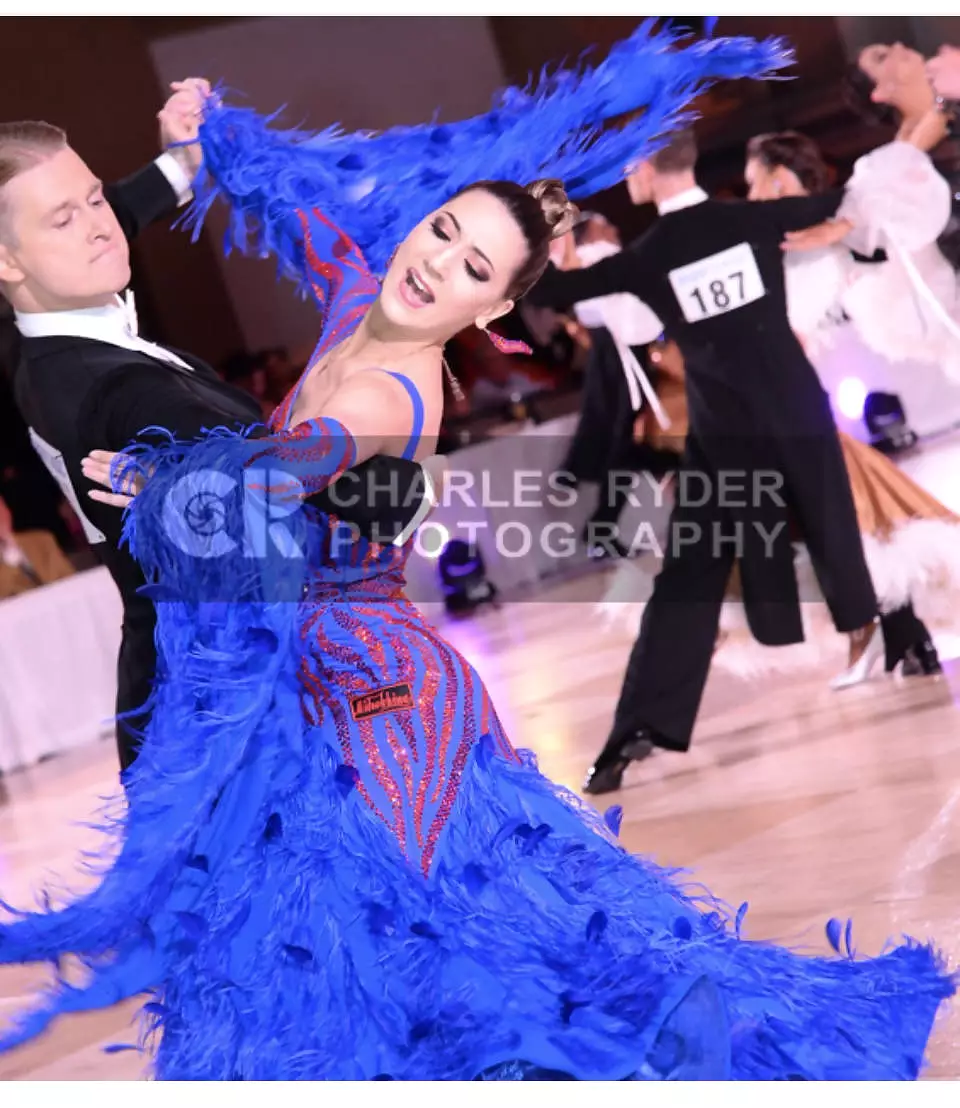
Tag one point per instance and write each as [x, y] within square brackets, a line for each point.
[943, 72]
[180, 120]
[817, 237]
[98, 466]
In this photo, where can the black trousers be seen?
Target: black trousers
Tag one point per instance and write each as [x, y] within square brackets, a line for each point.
[670, 661]
[614, 497]
[136, 666]
[902, 628]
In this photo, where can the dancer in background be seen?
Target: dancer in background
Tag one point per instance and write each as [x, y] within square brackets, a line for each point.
[911, 540]
[890, 85]
[713, 272]
[333, 863]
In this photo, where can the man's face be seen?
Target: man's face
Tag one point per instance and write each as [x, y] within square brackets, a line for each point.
[61, 246]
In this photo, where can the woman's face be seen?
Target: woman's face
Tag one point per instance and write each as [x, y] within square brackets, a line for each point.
[454, 269]
[765, 183]
[897, 72]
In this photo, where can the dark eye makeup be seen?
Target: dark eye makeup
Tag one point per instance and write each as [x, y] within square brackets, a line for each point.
[441, 233]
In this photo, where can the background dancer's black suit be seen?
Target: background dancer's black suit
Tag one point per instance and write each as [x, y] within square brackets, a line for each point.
[82, 394]
[713, 273]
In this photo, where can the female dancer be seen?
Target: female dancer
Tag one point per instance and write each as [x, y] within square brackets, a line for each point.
[333, 863]
[890, 85]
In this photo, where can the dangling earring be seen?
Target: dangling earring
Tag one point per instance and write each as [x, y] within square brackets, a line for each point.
[507, 346]
[455, 388]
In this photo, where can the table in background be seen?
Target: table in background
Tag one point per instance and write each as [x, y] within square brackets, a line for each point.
[58, 667]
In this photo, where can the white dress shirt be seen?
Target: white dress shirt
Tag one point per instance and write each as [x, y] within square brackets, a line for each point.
[685, 199]
[628, 318]
[114, 323]
[630, 323]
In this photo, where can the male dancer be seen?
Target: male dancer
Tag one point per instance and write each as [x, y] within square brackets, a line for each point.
[760, 424]
[85, 380]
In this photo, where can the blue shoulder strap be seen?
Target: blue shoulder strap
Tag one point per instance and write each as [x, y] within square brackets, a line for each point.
[417, 402]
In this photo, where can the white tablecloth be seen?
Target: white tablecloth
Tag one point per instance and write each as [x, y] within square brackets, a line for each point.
[58, 667]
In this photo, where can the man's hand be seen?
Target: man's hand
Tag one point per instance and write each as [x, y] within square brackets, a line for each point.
[943, 72]
[180, 120]
[817, 237]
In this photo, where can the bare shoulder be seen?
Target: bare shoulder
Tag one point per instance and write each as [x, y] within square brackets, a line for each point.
[375, 408]
[372, 386]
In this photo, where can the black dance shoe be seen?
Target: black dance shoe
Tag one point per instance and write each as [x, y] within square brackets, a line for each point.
[606, 773]
[921, 660]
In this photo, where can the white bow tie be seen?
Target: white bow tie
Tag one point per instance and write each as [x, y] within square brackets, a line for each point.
[132, 327]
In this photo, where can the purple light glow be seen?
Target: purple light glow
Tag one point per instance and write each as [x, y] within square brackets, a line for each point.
[851, 394]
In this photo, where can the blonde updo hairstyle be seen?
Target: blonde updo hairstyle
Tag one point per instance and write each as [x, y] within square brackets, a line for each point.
[543, 212]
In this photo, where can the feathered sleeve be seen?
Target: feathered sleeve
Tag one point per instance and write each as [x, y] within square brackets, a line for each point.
[895, 198]
[273, 211]
[377, 187]
[906, 307]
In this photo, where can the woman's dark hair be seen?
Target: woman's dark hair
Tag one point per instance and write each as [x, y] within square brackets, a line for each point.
[857, 91]
[795, 152]
[542, 211]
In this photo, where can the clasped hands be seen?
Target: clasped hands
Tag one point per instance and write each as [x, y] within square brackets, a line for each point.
[180, 120]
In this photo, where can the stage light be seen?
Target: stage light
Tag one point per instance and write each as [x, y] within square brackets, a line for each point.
[463, 577]
[886, 420]
[851, 396]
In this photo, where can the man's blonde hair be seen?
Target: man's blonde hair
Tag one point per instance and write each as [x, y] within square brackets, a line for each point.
[22, 146]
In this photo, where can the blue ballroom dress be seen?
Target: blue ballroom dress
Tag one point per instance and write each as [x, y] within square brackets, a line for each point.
[332, 864]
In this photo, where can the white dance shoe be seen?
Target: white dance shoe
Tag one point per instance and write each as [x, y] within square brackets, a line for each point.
[862, 669]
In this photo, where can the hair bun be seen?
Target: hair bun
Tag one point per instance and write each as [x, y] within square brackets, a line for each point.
[559, 211]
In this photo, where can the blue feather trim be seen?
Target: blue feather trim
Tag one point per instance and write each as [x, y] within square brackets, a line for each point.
[378, 186]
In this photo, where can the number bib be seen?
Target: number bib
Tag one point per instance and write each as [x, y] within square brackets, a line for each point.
[57, 468]
[719, 284]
